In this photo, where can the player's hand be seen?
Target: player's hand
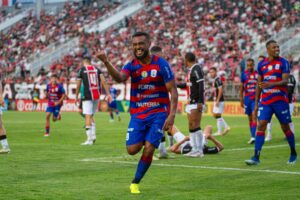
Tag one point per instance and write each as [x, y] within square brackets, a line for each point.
[108, 98]
[169, 123]
[102, 56]
[264, 85]
[242, 104]
[217, 104]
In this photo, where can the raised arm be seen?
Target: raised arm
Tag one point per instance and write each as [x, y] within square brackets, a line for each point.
[106, 88]
[117, 75]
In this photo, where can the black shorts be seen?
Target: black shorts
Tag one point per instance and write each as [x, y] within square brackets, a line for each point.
[210, 150]
[186, 148]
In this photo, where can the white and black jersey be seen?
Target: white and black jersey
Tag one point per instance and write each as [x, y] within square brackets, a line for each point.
[90, 77]
[216, 84]
[194, 84]
[291, 87]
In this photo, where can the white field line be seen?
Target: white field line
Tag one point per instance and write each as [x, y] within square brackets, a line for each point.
[264, 147]
[191, 166]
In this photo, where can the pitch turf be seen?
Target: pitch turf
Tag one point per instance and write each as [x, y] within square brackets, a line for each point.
[59, 168]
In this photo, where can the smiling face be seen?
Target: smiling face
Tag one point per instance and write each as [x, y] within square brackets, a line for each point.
[273, 49]
[140, 46]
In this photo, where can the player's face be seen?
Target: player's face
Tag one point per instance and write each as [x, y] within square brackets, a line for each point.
[140, 46]
[273, 50]
[250, 65]
[212, 73]
[53, 80]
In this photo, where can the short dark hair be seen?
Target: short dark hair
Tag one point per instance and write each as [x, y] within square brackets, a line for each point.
[190, 57]
[250, 59]
[213, 68]
[155, 49]
[270, 42]
[261, 56]
[54, 76]
[140, 33]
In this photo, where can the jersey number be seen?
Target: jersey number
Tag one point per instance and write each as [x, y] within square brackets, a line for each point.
[93, 79]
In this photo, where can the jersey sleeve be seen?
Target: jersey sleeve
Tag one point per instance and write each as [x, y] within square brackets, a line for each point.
[80, 74]
[166, 71]
[259, 68]
[285, 66]
[62, 89]
[219, 83]
[126, 69]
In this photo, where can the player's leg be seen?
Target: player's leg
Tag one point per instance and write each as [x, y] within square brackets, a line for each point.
[47, 123]
[3, 138]
[56, 113]
[196, 136]
[162, 148]
[252, 121]
[110, 111]
[223, 122]
[282, 113]
[269, 131]
[95, 107]
[87, 106]
[292, 127]
[217, 115]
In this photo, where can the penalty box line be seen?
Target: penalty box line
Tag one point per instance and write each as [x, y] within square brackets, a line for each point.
[102, 160]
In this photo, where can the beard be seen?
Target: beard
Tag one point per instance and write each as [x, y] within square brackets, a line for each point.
[144, 55]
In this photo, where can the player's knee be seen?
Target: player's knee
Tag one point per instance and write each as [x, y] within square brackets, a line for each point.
[132, 151]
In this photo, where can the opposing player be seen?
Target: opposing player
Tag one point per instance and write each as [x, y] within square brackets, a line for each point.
[3, 138]
[218, 102]
[183, 143]
[151, 82]
[195, 91]
[55, 93]
[112, 106]
[272, 98]
[247, 96]
[92, 79]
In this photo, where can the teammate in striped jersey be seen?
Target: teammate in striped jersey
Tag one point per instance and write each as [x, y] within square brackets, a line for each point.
[151, 110]
[3, 138]
[247, 96]
[272, 98]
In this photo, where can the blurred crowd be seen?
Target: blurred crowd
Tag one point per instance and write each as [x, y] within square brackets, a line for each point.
[221, 34]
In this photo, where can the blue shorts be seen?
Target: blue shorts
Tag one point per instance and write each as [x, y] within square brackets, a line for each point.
[113, 104]
[54, 110]
[149, 129]
[249, 107]
[281, 110]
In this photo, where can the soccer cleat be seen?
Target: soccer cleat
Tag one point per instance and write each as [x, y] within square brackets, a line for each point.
[94, 141]
[163, 156]
[268, 138]
[251, 141]
[292, 160]
[217, 134]
[226, 130]
[4, 151]
[59, 117]
[46, 134]
[111, 120]
[134, 188]
[195, 154]
[252, 161]
[87, 142]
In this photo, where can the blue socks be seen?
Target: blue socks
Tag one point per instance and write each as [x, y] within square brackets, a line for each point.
[142, 168]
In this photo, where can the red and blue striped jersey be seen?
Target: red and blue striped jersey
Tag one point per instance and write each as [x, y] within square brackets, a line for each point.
[249, 81]
[148, 93]
[54, 93]
[272, 71]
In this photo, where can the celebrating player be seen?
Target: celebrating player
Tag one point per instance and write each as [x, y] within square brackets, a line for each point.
[218, 102]
[55, 94]
[247, 96]
[151, 82]
[272, 95]
[195, 91]
[112, 106]
[183, 143]
[92, 79]
[3, 139]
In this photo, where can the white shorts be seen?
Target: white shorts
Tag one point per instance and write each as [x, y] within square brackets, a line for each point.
[219, 109]
[291, 105]
[89, 107]
[190, 107]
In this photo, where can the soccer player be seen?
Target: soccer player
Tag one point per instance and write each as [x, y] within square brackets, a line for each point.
[195, 91]
[247, 96]
[35, 99]
[3, 139]
[55, 93]
[183, 143]
[151, 111]
[291, 97]
[112, 106]
[272, 98]
[218, 102]
[92, 78]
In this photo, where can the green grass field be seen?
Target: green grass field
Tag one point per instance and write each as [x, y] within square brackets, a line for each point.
[58, 167]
